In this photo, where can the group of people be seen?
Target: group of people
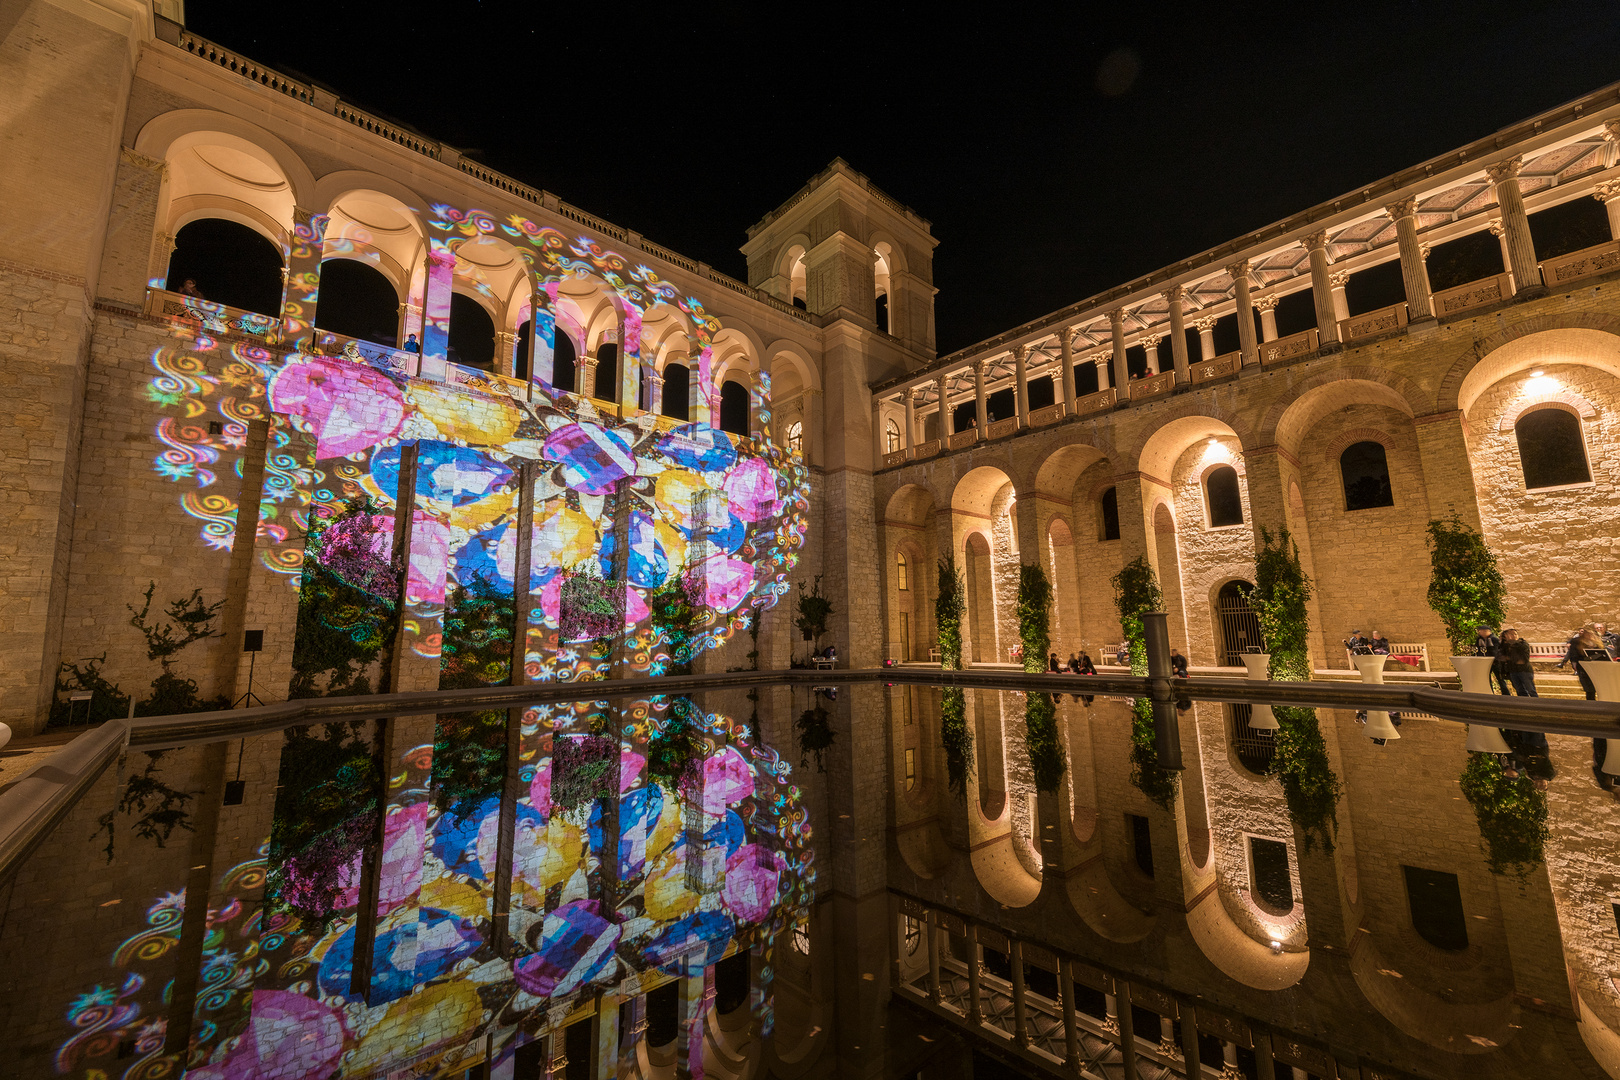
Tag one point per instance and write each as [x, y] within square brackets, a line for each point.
[1079, 664]
[1375, 644]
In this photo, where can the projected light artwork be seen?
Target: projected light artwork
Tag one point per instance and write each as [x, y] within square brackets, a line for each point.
[620, 876]
[637, 495]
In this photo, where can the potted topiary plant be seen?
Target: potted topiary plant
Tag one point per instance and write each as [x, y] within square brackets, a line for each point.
[814, 611]
[1467, 591]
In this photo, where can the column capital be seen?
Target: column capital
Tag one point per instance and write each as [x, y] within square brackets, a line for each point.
[1338, 278]
[914, 395]
[1238, 270]
[1266, 303]
[1607, 190]
[979, 366]
[1151, 341]
[1102, 357]
[1495, 227]
[1173, 294]
[1116, 317]
[654, 377]
[1611, 131]
[1424, 249]
[1019, 352]
[1207, 323]
[1504, 170]
[1315, 240]
[1401, 208]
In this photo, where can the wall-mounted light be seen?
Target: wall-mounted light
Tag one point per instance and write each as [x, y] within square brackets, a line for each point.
[1536, 374]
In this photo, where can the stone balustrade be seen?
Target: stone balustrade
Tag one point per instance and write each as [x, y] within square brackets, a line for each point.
[1588, 262]
[215, 318]
[1474, 294]
[1155, 386]
[999, 429]
[1101, 401]
[1385, 320]
[963, 439]
[1051, 414]
[1216, 367]
[1290, 348]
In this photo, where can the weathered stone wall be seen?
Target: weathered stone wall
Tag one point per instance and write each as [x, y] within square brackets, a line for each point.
[1209, 557]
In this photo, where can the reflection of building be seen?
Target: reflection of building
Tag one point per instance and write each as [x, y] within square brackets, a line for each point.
[1441, 342]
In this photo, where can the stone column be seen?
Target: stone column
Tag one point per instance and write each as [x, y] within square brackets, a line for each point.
[1245, 312]
[1122, 374]
[505, 350]
[1071, 1023]
[1327, 318]
[944, 409]
[302, 288]
[975, 1007]
[1229, 1064]
[605, 1038]
[441, 273]
[931, 929]
[1341, 305]
[982, 408]
[1498, 230]
[1020, 362]
[1066, 352]
[1521, 249]
[1102, 361]
[1608, 193]
[880, 445]
[1268, 317]
[1150, 346]
[911, 417]
[1206, 337]
[1413, 273]
[1178, 336]
[655, 393]
[1020, 1006]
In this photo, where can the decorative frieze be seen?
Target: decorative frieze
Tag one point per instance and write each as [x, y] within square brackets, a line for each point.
[1289, 348]
[1588, 262]
[1218, 367]
[1474, 294]
[1383, 321]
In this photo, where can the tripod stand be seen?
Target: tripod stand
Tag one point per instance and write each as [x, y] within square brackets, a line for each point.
[252, 644]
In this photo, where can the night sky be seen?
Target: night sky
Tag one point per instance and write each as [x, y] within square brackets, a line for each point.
[1056, 156]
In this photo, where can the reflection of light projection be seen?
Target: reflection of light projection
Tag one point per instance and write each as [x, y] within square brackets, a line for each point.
[603, 480]
[722, 859]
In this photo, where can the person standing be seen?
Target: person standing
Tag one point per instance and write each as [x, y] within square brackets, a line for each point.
[1530, 747]
[1487, 643]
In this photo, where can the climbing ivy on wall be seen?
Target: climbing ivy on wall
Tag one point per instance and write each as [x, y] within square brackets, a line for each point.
[958, 743]
[674, 610]
[1465, 586]
[1299, 757]
[1512, 815]
[948, 611]
[1136, 592]
[1040, 710]
[675, 753]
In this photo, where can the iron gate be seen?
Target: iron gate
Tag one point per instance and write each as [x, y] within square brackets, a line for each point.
[1240, 630]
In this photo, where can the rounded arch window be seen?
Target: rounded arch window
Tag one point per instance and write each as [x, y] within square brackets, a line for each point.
[796, 437]
[1551, 449]
[913, 934]
[678, 391]
[1110, 514]
[883, 312]
[891, 435]
[734, 407]
[607, 372]
[1223, 497]
[1365, 471]
[902, 571]
[224, 262]
[801, 935]
[357, 300]
[472, 333]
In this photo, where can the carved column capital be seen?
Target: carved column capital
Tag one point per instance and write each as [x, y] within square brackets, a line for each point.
[1206, 323]
[1102, 357]
[1424, 249]
[1315, 240]
[1151, 341]
[1266, 303]
[1611, 131]
[978, 367]
[1338, 278]
[1173, 294]
[1401, 208]
[1116, 317]
[1504, 170]
[1495, 227]
[1238, 270]
[914, 396]
[1019, 352]
[1607, 190]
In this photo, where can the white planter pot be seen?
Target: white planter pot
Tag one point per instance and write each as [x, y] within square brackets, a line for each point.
[1380, 725]
[1261, 718]
[1371, 668]
[1475, 673]
[1606, 677]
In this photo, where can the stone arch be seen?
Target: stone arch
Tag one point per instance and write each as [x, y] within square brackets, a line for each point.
[1361, 384]
[792, 354]
[159, 136]
[1158, 453]
[1572, 337]
[1345, 441]
[1568, 400]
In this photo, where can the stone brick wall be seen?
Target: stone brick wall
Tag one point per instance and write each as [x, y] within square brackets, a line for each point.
[1209, 557]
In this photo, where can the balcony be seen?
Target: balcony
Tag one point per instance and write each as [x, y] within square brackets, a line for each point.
[381, 357]
[1292, 347]
[214, 318]
[1383, 321]
[1475, 294]
[1588, 262]
[1216, 367]
[963, 439]
[1157, 386]
[1051, 414]
[999, 429]
[1101, 401]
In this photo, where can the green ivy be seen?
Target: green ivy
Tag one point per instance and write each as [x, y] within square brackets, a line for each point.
[815, 735]
[1465, 587]
[347, 602]
[675, 753]
[1034, 616]
[1299, 757]
[1158, 784]
[1512, 815]
[954, 735]
[674, 609]
[583, 769]
[1136, 592]
[1046, 757]
[814, 611]
[949, 608]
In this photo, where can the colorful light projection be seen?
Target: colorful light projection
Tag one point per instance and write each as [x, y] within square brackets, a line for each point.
[731, 509]
[721, 856]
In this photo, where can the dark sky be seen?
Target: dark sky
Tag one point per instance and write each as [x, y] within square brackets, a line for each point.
[1056, 156]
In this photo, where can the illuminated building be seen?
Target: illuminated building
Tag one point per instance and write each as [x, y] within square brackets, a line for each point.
[1443, 341]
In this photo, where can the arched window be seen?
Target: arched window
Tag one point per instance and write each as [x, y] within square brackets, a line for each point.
[472, 333]
[562, 363]
[796, 437]
[522, 350]
[1110, 514]
[1269, 882]
[358, 301]
[607, 372]
[891, 433]
[1436, 907]
[801, 935]
[228, 264]
[900, 572]
[1221, 493]
[678, 391]
[734, 407]
[883, 312]
[1365, 471]
[1551, 449]
[913, 934]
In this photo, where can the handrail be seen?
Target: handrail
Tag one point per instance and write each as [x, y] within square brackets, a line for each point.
[32, 807]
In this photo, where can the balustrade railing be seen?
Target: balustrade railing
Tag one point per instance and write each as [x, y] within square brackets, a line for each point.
[381, 357]
[1372, 323]
[214, 318]
[963, 439]
[1588, 262]
[1046, 415]
[998, 429]
[899, 457]
[1474, 294]
[1156, 386]
[1101, 401]
[1292, 347]
[1216, 367]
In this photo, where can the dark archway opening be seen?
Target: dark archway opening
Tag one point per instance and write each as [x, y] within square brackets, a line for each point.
[1437, 908]
[1296, 313]
[883, 313]
[1110, 514]
[230, 263]
[358, 301]
[1042, 392]
[563, 357]
[523, 350]
[1569, 226]
[1001, 404]
[734, 407]
[964, 416]
[1467, 258]
[1365, 470]
[607, 372]
[1085, 378]
[472, 334]
[1225, 498]
[678, 392]
[1375, 287]
[1240, 629]
[1550, 449]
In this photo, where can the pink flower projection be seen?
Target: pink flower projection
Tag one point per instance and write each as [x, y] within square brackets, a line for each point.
[289, 1037]
[727, 779]
[348, 406]
[751, 490]
[430, 556]
[727, 582]
[753, 876]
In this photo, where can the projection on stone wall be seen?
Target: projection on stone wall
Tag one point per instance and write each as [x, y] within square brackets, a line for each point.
[713, 854]
[727, 511]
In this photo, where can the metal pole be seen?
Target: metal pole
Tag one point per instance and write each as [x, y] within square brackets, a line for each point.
[1166, 732]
